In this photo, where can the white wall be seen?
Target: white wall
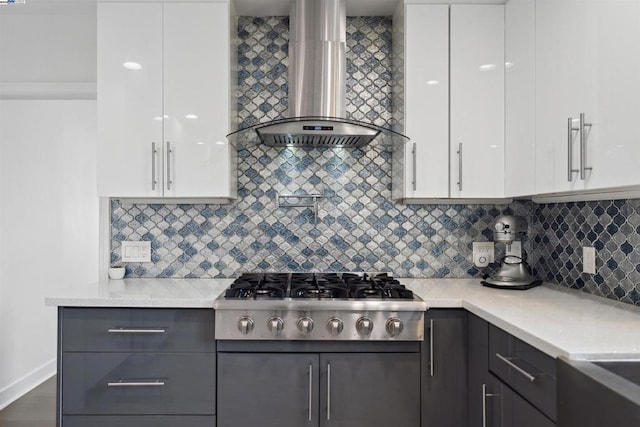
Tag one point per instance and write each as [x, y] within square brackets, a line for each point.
[48, 225]
[48, 203]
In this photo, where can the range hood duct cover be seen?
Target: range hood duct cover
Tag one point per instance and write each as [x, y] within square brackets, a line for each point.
[317, 86]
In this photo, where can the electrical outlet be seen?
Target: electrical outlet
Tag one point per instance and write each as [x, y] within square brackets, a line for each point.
[483, 253]
[589, 260]
[135, 251]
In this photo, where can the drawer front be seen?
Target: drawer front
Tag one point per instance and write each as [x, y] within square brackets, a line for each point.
[524, 368]
[138, 383]
[137, 329]
[138, 421]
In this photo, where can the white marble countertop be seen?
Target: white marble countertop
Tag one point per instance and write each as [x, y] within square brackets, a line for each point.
[558, 321]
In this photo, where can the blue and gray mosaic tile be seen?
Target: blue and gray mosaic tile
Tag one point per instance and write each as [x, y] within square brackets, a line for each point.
[358, 227]
[560, 231]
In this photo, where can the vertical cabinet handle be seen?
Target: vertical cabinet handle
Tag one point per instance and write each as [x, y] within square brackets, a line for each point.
[310, 391]
[153, 166]
[583, 148]
[169, 151]
[328, 391]
[570, 130]
[460, 166]
[484, 403]
[431, 364]
[415, 164]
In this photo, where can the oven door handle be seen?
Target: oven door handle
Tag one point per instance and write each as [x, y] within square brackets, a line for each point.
[328, 391]
[310, 391]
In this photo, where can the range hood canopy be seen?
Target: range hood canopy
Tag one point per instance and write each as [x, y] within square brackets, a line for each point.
[317, 86]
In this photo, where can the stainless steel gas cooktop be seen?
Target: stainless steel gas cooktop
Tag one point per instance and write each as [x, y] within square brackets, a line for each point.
[319, 306]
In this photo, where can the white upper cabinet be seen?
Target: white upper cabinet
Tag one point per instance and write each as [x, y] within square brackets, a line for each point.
[585, 66]
[520, 86]
[424, 31]
[450, 60]
[163, 100]
[477, 101]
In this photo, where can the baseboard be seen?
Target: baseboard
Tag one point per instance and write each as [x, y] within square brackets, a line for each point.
[27, 383]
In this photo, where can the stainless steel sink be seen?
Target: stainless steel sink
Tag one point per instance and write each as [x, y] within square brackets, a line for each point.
[598, 393]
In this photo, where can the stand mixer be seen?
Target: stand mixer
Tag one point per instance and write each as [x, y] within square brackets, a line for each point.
[514, 272]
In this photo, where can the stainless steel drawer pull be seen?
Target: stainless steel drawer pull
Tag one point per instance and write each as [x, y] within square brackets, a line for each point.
[122, 383]
[310, 392]
[136, 331]
[583, 148]
[153, 166]
[460, 166]
[570, 130]
[169, 151]
[328, 391]
[431, 346]
[508, 361]
[484, 403]
[415, 166]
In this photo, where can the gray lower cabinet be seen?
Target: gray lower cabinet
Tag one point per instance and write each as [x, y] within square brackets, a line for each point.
[318, 389]
[444, 368]
[136, 367]
[498, 396]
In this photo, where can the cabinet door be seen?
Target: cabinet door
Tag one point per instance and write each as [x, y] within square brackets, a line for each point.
[267, 389]
[426, 114]
[613, 142]
[520, 86]
[518, 412]
[196, 100]
[477, 101]
[370, 390]
[444, 369]
[583, 66]
[129, 99]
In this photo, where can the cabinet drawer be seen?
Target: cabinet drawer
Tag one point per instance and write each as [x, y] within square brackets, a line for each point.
[138, 383]
[138, 421]
[527, 370]
[137, 329]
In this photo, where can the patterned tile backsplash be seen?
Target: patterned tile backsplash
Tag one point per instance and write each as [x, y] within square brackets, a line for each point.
[559, 231]
[357, 226]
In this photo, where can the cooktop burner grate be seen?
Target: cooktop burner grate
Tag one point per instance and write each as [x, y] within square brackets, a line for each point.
[317, 286]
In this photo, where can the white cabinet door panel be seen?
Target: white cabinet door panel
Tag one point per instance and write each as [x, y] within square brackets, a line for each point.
[196, 99]
[520, 117]
[427, 99]
[477, 101]
[129, 100]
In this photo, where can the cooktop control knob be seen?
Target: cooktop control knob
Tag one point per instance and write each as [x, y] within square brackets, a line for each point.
[364, 326]
[275, 325]
[500, 226]
[335, 326]
[305, 325]
[394, 326]
[245, 325]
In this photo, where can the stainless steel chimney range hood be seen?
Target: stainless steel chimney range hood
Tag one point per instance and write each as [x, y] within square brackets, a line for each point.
[317, 86]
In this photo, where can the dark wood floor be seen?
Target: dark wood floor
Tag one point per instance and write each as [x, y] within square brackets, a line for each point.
[35, 409]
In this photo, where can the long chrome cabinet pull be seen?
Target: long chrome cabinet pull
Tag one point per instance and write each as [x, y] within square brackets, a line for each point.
[328, 391]
[169, 151]
[460, 166]
[121, 383]
[431, 346]
[570, 130]
[484, 403]
[118, 330]
[153, 166]
[508, 361]
[310, 391]
[583, 148]
[415, 165]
